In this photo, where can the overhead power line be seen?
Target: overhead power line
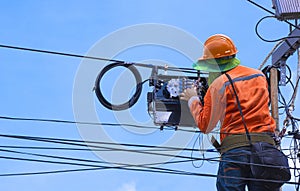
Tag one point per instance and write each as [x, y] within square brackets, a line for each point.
[130, 168]
[78, 149]
[87, 162]
[143, 168]
[58, 53]
[272, 13]
[125, 167]
[185, 70]
[99, 145]
[90, 123]
[86, 143]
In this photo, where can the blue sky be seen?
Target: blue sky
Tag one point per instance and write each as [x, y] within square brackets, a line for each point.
[37, 85]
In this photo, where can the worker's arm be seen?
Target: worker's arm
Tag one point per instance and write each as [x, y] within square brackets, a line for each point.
[206, 116]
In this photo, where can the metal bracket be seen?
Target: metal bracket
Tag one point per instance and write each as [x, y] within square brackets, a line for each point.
[282, 81]
[284, 51]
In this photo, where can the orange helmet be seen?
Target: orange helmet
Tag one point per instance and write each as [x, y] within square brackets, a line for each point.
[218, 55]
[218, 46]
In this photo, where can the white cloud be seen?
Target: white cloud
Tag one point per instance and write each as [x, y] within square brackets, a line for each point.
[131, 186]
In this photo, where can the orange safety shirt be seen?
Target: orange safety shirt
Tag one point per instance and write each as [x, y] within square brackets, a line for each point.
[220, 104]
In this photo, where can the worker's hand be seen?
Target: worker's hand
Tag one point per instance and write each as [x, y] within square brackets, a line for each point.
[188, 93]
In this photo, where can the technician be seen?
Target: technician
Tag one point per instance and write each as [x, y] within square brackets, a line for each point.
[219, 57]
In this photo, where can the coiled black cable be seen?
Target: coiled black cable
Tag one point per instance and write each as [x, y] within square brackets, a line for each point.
[132, 100]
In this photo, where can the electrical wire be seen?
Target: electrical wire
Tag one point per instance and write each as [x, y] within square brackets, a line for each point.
[144, 169]
[272, 13]
[43, 120]
[267, 40]
[93, 161]
[58, 53]
[159, 148]
[95, 144]
[86, 160]
[73, 142]
[92, 123]
[181, 69]
[297, 119]
[132, 100]
[261, 7]
[102, 162]
[86, 123]
[52, 148]
[73, 149]
[199, 150]
[89, 165]
[136, 168]
[112, 148]
[80, 160]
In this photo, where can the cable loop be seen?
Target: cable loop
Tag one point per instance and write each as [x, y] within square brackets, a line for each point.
[132, 100]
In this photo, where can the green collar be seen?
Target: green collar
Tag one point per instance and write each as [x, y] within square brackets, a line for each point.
[214, 65]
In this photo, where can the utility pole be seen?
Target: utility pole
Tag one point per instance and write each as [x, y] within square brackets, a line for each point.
[274, 96]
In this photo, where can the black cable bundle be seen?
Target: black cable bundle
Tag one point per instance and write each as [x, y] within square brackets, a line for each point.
[132, 100]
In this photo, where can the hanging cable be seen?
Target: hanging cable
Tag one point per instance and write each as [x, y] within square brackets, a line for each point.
[267, 40]
[132, 100]
[200, 136]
